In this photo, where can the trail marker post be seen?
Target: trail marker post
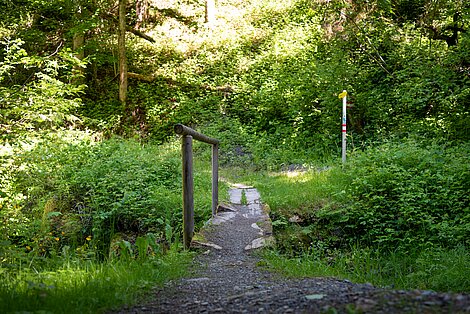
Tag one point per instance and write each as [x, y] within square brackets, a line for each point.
[343, 96]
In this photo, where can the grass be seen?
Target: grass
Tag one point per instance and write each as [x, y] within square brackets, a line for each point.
[285, 191]
[436, 269]
[86, 286]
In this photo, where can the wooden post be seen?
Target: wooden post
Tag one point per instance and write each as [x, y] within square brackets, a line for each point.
[343, 129]
[188, 190]
[215, 178]
[188, 185]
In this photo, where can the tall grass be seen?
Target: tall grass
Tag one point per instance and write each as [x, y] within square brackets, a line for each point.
[435, 269]
[77, 286]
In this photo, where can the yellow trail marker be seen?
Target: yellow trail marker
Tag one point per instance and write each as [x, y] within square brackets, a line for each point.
[343, 94]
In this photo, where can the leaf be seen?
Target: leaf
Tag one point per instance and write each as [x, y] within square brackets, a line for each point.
[53, 214]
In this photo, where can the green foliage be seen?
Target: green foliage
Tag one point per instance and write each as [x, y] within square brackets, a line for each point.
[407, 195]
[77, 286]
[432, 269]
[36, 92]
[63, 193]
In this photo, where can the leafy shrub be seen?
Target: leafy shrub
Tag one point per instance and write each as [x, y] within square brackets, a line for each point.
[36, 92]
[405, 195]
[84, 193]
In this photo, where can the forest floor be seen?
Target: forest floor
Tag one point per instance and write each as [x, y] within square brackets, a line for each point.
[227, 278]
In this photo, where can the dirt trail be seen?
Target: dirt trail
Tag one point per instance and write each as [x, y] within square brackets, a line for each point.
[226, 278]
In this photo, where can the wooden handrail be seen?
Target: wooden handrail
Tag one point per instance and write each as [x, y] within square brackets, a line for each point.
[188, 179]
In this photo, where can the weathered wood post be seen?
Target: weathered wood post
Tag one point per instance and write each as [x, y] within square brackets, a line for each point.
[188, 179]
[215, 178]
[188, 189]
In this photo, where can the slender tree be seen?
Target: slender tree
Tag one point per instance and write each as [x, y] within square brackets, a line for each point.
[142, 12]
[210, 11]
[122, 52]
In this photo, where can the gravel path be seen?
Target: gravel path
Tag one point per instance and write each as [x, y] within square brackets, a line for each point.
[226, 279]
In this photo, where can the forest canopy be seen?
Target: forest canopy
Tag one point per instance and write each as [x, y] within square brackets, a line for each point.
[278, 70]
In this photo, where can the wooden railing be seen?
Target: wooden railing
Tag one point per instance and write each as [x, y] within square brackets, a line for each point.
[188, 179]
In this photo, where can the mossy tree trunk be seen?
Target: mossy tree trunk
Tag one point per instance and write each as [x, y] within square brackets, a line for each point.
[122, 53]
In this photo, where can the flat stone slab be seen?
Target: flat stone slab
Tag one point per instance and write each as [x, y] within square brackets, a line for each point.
[241, 186]
[250, 222]
[260, 242]
[222, 217]
[205, 244]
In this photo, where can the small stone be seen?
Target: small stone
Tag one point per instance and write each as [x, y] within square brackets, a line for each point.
[446, 298]
[315, 296]
[432, 303]
[198, 279]
[365, 305]
[460, 298]
[427, 292]
[295, 218]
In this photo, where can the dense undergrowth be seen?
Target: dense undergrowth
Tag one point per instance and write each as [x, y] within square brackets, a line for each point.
[395, 215]
[88, 225]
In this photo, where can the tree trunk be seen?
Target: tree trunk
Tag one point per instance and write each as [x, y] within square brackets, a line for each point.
[78, 42]
[210, 11]
[77, 47]
[142, 12]
[122, 52]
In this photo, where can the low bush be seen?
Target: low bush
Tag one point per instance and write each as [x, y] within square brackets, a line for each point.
[395, 215]
[65, 194]
[406, 195]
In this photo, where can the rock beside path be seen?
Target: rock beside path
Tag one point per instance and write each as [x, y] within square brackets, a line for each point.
[226, 278]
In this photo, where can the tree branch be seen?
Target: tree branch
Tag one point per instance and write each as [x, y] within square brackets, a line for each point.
[128, 28]
[141, 77]
[140, 34]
